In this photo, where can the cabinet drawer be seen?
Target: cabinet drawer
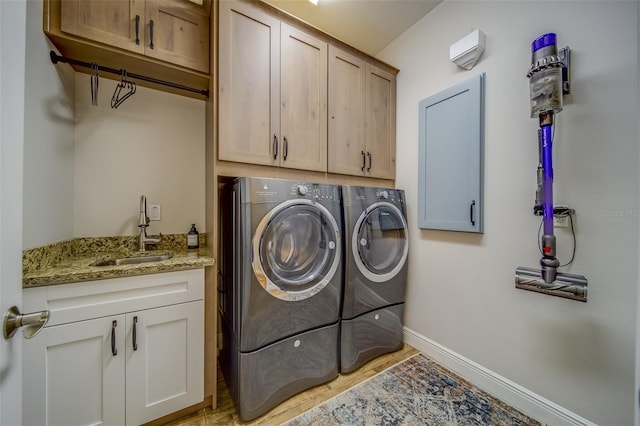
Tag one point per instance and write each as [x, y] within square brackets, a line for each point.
[95, 299]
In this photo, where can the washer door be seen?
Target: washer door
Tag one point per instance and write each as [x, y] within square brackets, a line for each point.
[379, 242]
[296, 249]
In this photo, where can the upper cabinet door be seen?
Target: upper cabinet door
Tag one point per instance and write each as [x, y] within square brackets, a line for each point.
[112, 22]
[362, 108]
[380, 131]
[347, 77]
[177, 31]
[248, 85]
[303, 70]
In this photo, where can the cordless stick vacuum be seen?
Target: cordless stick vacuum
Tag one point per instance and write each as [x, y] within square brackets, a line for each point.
[545, 84]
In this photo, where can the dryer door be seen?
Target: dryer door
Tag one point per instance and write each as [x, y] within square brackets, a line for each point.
[379, 242]
[296, 249]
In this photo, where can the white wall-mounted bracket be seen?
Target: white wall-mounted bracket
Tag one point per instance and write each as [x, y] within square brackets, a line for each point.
[466, 51]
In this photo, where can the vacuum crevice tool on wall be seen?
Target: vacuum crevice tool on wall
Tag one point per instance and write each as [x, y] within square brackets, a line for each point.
[545, 84]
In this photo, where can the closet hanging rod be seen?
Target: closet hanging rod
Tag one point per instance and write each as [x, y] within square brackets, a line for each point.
[55, 58]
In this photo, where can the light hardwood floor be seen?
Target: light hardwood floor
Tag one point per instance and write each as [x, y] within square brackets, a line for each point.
[225, 414]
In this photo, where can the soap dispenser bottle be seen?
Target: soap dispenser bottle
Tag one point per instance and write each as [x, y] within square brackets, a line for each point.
[193, 238]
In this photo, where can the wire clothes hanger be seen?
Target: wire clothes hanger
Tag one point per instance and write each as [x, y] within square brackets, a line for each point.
[123, 90]
[94, 83]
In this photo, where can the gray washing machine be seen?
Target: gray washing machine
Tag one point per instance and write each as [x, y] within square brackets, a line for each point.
[376, 249]
[281, 289]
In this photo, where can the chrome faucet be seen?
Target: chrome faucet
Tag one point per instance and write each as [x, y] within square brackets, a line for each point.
[143, 223]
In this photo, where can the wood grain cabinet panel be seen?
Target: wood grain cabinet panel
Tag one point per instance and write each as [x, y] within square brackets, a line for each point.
[347, 79]
[303, 113]
[361, 117]
[248, 85]
[380, 124]
[176, 31]
[166, 40]
[180, 33]
[272, 91]
[105, 21]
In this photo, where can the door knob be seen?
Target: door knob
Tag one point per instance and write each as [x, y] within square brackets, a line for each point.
[32, 322]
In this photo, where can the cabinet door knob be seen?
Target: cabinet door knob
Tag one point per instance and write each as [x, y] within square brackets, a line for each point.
[364, 161]
[135, 338]
[369, 155]
[114, 350]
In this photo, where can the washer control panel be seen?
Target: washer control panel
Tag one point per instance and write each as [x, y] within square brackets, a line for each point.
[383, 194]
[316, 191]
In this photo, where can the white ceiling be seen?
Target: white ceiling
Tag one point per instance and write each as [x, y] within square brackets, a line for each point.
[368, 25]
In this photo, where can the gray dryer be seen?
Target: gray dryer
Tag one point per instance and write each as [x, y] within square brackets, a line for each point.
[376, 250]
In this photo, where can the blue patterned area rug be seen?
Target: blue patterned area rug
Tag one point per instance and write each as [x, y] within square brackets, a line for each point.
[417, 391]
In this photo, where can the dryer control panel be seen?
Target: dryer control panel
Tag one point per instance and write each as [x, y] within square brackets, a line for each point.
[315, 191]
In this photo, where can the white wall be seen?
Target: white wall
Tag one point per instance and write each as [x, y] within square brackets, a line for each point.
[48, 140]
[152, 144]
[461, 286]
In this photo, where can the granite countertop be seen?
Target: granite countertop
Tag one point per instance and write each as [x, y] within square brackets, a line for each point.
[70, 261]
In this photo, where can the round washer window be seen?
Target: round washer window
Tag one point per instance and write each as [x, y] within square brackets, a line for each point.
[379, 242]
[296, 249]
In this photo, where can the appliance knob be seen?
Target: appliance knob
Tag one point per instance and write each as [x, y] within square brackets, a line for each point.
[302, 190]
[383, 195]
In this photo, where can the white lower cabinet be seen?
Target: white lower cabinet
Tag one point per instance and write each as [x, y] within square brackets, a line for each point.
[127, 368]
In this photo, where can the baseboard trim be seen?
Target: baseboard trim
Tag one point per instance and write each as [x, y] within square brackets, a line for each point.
[528, 402]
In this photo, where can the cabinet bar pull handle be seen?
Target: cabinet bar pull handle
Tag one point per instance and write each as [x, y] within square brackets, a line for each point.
[286, 148]
[364, 161]
[151, 33]
[471, 211]
[369, 155]
[135, 342]
[114, 350]
[275, 146]
[137, 29]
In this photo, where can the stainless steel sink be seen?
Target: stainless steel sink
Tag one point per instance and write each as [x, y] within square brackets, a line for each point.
[133, 259]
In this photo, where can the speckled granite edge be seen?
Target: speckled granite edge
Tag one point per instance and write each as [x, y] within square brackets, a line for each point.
[71, 260]
[46, 256]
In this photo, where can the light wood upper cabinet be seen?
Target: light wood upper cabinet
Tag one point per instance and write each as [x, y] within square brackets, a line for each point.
[347, 85]
[303, 118]
[116, 34]
[380, 123]
[180, 33]
[106, 21]
[272, 91]
[175, 31]
[361, 117]
[248, 85]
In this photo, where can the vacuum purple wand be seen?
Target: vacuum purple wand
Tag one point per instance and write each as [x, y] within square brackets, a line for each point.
[545, 84]
[548, 262]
